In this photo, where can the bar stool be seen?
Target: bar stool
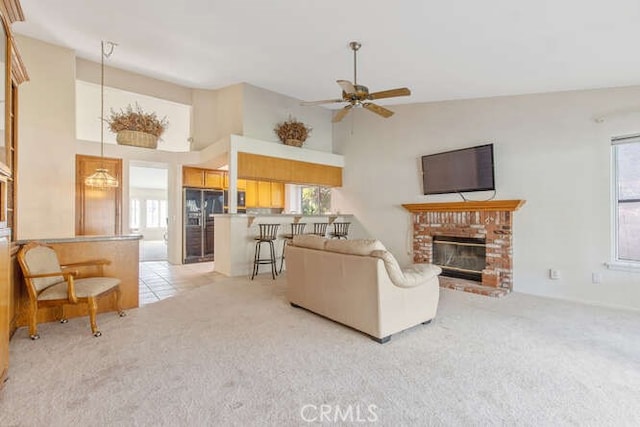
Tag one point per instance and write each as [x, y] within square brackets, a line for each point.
[320, 228]
[268, 233]
[340, 230]
[287, 238]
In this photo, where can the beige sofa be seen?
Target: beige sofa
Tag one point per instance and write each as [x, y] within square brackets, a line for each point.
[359, 284]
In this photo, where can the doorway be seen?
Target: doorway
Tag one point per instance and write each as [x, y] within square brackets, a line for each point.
[148, 209]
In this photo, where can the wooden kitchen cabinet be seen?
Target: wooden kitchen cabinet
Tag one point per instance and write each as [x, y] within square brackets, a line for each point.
[192, 177]
[264, 194]
[251, 193]
[277, 195]
[214, 179]
[204, 178]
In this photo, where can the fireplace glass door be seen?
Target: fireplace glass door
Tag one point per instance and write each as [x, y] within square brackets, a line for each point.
[460, 257]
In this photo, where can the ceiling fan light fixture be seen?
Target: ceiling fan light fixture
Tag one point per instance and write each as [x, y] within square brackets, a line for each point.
[358, 96]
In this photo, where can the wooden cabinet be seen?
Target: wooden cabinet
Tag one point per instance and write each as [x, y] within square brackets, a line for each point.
[192, 177]
[204, 178]
[5, 299]
[214, 179]
[277, 195]
[264, 194]
[13, 73]
[251, 195]
[254, 166]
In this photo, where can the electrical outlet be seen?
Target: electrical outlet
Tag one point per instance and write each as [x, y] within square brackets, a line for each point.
[554, 274]
[596, 278]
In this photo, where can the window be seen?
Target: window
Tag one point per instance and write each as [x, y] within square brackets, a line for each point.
[626, 154]
[134, 213]
[315, 200]
[156, 213]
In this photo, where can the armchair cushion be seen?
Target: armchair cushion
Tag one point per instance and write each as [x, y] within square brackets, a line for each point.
[87, 287]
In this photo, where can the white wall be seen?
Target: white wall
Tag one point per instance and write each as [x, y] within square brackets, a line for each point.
[263, 109]
[549, 150]
[46, 129]
[216, 115]
[114, 77]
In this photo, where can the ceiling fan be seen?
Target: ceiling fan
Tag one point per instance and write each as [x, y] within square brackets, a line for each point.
[358, 95]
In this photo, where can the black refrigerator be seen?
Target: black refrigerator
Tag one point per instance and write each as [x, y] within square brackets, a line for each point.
[198, 232]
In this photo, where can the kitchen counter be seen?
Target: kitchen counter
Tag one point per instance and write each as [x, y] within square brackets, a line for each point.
[235, 236]
[123, 252]
[78, 239]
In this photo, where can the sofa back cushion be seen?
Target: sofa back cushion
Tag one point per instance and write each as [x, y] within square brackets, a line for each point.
[310, 241]
[362, 247]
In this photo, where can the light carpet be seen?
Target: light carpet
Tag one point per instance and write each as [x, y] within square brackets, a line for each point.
[235, 353]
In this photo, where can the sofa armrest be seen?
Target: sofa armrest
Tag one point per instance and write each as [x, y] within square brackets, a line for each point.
[409, 277]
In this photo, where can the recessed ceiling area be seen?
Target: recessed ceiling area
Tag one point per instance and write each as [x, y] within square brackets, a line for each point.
[440, 50]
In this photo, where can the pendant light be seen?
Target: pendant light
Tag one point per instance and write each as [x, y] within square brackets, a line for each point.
[101, 178]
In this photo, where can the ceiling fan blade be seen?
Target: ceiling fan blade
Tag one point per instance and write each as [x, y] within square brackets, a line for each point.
[325, 101]
[347, 86]
[378, 109]
[403, 91]
[341, 113]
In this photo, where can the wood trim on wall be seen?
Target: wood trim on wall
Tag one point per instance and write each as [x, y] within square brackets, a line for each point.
[11, 12]
[491, 205]
[266, 168]
[12, 9]
[18, 69]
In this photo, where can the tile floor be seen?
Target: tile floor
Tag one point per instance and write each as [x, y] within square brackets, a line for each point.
[160, 280]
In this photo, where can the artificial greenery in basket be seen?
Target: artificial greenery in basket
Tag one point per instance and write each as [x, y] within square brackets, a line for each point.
[292, 132]
[133, 126]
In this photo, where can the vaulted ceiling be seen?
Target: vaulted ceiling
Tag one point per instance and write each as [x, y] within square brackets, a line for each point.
[440, 49]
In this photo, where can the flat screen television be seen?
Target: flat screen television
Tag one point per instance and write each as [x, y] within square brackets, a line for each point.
[458, 171]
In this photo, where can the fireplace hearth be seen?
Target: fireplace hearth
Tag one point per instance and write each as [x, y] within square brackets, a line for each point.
[471, 241]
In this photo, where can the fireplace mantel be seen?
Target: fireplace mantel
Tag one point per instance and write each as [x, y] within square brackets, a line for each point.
[470, 206]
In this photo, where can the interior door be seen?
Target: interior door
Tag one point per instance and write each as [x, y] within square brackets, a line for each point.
[98, 211]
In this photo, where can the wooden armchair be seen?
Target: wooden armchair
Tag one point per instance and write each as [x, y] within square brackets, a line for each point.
[51, 284]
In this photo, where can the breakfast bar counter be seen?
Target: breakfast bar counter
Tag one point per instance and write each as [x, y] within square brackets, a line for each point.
[234, 237]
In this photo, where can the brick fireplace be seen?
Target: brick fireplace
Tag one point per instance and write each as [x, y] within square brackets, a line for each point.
[489, 221]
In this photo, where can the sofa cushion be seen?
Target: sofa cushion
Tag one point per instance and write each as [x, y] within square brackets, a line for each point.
[354, 247]
[409, 277]
[310, 241]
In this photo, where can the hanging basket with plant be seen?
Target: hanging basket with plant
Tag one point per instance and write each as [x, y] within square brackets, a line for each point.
[135, 127]
[292, 132]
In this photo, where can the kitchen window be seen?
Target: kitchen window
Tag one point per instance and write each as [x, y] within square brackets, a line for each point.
[315, 200]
